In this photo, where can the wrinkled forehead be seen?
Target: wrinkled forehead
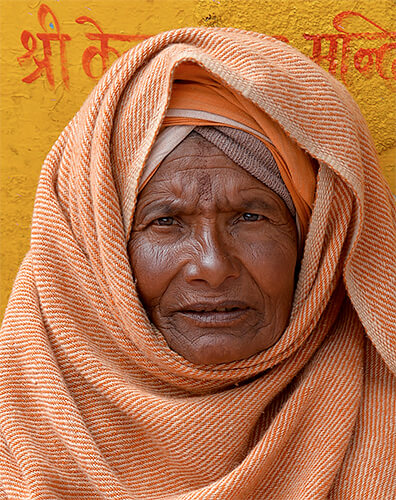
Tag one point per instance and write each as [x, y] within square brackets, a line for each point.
[197, 175]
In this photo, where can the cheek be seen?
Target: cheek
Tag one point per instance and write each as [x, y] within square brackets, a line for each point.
[272, 264]
[153, 267]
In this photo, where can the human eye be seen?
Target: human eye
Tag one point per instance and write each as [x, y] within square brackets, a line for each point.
[251, 217]
[164, 221]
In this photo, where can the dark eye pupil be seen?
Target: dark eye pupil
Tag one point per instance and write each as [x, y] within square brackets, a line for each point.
[165, 221]
[250, 217]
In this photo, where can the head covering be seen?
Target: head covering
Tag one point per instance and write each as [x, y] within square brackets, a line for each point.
[94, 404]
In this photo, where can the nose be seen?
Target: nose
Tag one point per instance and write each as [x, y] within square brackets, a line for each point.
[211, 260]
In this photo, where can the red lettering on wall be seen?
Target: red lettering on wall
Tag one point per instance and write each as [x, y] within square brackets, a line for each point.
[104, 50]
[334, 51]
[45, 65]
[364, 59]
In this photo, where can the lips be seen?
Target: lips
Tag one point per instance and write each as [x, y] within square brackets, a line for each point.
[215, 313]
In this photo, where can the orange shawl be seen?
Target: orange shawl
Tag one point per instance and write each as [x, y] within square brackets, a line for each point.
[93, 402]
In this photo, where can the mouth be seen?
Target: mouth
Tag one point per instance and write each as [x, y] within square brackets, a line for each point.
[219, 315]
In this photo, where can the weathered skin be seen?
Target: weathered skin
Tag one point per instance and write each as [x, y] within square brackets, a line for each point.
[208, 236]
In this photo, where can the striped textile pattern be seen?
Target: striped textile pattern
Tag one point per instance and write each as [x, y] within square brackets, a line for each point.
[94, 404]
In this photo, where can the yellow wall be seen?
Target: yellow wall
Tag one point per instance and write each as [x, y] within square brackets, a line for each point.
[36, 106]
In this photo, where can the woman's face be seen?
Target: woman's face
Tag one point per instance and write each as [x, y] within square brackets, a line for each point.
[214, 253]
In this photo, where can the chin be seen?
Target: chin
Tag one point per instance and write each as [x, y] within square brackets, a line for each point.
[206, 352]
[214, 346]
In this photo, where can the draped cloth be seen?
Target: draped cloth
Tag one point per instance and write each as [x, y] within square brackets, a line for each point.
[94, 404]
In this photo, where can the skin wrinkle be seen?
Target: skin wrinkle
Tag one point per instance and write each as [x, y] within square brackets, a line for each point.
[204, 186]
[194, 241]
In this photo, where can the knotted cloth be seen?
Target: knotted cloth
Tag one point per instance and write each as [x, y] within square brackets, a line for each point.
[93, 404]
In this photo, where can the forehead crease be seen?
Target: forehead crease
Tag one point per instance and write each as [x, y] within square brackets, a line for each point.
[191, 167]
[204, 186]
[218, 182]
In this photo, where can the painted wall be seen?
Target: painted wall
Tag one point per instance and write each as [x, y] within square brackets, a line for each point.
[53, 52]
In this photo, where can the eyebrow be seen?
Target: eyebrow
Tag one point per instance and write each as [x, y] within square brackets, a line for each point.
[260, 203]
[160, 207]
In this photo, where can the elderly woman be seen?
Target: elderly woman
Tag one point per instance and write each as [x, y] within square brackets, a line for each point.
[207, 310]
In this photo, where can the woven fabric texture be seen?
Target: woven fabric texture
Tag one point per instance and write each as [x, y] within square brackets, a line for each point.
[93, 403]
